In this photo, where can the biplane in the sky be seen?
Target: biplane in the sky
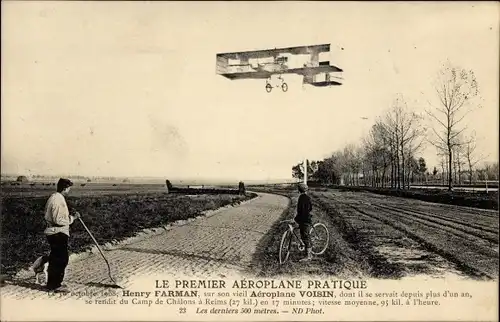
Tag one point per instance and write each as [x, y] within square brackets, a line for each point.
[263, 64]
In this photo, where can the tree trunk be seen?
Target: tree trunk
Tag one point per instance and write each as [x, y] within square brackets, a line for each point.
[408, 178]
[403, 164]
[459, 170]
[455, 171]
[442, 173]
[398, 173]
[395, 176]
[470, 173]
[392, 174]
[450, 177]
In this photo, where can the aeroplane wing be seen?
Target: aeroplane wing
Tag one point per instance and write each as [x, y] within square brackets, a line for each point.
[261, 73]
[309, 71]
[298, 50]
[322, 83]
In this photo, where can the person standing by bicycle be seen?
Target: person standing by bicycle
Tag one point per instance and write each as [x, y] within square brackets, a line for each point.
[304, 219]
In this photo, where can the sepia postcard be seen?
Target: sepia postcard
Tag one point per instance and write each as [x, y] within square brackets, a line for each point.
[249, 161]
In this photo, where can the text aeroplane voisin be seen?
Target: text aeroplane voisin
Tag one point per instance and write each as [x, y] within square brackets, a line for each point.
[263, 64]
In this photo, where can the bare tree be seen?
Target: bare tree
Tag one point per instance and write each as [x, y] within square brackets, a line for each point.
[391, 128]
[444, 165]
[377, 155]
[455, 88]
[349, 163]
[459, 161]
[413, 143]
[339, 165]
[471, 157]
[358, 165]
[404, 130]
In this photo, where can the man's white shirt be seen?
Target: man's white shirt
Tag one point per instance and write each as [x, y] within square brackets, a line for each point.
[57, 215]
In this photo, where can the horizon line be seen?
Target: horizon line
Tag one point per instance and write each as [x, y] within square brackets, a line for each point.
[142, 177]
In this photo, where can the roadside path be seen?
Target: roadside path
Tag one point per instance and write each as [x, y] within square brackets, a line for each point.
[208, 247]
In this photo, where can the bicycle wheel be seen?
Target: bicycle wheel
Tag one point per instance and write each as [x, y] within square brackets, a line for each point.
[285, 243]
[319, 238]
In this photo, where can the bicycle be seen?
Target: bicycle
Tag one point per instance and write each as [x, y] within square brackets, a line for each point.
[319, 235]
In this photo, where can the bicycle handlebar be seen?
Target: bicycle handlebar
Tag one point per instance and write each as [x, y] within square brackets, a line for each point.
[290, 221]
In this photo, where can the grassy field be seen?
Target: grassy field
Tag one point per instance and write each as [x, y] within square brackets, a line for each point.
[112, 213]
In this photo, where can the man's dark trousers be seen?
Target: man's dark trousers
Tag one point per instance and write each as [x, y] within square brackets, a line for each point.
[58, 259]
[303, 218]
[304, 228]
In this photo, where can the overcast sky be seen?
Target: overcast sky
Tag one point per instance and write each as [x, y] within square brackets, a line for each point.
[129, 88]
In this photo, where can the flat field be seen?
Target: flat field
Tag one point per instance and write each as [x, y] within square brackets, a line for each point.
[379, 236]
[111, 212]
[458, 197]
[79, 189]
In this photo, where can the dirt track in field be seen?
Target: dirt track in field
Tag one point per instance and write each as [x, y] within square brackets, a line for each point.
[409, 237]
[387, 237]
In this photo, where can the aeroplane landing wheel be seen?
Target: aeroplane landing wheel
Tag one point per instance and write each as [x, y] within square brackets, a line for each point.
[269, 88]
[284, 87]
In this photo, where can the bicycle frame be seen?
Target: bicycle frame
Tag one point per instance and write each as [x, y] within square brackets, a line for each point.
[292, 229]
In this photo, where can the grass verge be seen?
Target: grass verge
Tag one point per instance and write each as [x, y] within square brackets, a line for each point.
[110, 218]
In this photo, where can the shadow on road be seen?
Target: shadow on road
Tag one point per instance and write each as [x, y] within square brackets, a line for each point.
[102, 285]
[26, 284]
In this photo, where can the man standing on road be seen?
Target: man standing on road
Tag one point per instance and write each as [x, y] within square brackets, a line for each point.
[304, 219]
[58, 220]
